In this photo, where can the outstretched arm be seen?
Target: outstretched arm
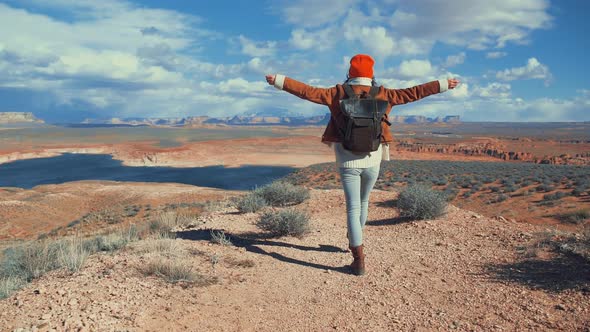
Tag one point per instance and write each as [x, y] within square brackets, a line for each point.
[323, 96]
[403, 96]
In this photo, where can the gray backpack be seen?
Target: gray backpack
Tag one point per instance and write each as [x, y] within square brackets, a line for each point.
[361, 129]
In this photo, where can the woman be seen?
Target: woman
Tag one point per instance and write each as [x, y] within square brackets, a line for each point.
[358, 172]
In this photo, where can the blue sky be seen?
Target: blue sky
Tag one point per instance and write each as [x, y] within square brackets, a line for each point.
[67, 60]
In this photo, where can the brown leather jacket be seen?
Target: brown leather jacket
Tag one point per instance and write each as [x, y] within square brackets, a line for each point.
[331, 97]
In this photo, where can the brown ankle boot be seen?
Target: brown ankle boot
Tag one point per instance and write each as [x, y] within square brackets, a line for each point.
[358, 265]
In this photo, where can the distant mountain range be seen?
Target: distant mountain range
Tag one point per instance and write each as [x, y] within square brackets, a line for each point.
[256, 119]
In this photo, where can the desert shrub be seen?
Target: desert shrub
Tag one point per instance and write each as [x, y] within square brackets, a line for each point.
[112, 241]
[566, 243]
[510, 188]
[72, 254]
[450, 193]
[252, 202]
[285, 222]
[545, 187]
[131, 210]
[575, 217]
[500, 198]
[219, 237]
[29, 261]
[555, 196]
[281, 193]
[495, 189]
[441, 182]
[9, 285]
[419, 202]
[488, 180]
[169, 270]
[163, 223]
[579, 191]
[162, 246]
[74, 223]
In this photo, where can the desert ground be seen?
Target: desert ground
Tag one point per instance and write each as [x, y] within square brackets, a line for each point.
[460, 272]
[480, 267]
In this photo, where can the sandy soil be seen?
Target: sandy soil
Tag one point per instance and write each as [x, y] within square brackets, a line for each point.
[29, 213]
[460, 272]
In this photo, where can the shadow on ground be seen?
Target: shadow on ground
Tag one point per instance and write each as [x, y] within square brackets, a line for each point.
[563, 272]
[390, 221]
[252, 242]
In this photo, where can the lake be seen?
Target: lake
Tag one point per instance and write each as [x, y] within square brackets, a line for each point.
[75, 167]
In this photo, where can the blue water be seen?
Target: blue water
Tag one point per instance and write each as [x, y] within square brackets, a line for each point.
[75, 167]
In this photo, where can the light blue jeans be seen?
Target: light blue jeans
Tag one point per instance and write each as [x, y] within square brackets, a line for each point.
[357, 184]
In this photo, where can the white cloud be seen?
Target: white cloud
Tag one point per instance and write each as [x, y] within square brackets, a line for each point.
[495, 55]
[257, 49]
[319, 40]
[474, 24]
[237, 86]
[415, 68]
[493, 90]
[376, 40]
[453, 60]
[532, 70]
[460, 92]
[312, 13]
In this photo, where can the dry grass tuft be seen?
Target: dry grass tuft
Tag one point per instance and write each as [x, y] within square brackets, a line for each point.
[175, 271]
[162, 246]
[72, 254]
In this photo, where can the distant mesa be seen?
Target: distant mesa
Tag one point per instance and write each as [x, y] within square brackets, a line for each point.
[255, 120]
[18, 117]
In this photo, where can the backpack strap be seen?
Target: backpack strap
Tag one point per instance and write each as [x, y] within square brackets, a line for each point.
[349, 92]
[374, 91]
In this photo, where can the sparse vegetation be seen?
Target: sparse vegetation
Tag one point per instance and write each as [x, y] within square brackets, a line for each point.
[29, 261]
[420, 202]
[219, 237]
[280, 193]
[251, 202]
[475, 184]
[176, 271]
[9, 285]
[166, 221]
[72, 254]
[284, 222]
[171, 271]
[575, 217]
[562, 243]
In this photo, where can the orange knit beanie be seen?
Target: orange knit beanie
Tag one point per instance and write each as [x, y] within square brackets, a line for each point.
[361, 65]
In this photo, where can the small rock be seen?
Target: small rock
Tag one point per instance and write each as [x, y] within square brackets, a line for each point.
[72, 302]
[46, 317]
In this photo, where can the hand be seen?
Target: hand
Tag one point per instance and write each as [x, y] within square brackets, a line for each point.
[271, 79]
[452, 83]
